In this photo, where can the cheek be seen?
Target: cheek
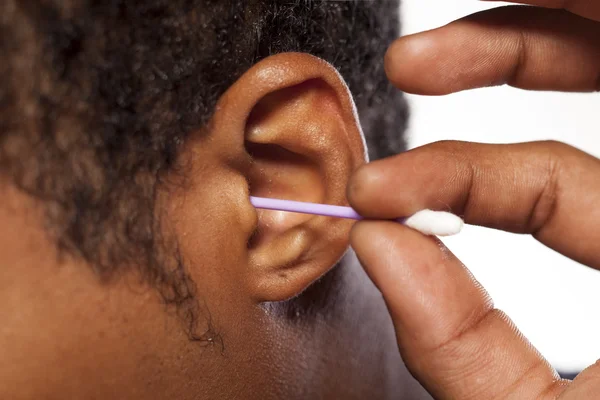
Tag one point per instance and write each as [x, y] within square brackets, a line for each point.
[212, 221]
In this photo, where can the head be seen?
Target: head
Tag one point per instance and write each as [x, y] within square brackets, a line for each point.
[131, 137]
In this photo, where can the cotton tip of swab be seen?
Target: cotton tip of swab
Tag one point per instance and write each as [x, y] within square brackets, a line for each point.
[435, 223]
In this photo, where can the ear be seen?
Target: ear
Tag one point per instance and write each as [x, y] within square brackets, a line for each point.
[301, 129]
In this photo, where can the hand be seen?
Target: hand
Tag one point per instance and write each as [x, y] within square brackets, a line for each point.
[450, 335]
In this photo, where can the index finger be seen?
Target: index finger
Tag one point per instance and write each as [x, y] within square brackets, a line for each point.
[546, 189]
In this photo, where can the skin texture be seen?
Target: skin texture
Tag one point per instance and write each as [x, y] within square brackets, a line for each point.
[286, 128]
[449, 333]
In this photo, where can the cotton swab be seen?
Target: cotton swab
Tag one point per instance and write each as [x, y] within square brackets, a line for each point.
[428, 222]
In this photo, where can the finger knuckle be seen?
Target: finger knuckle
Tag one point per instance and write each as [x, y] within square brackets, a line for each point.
[549, 171]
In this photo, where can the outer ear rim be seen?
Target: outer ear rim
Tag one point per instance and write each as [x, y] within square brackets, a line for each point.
[301, 263]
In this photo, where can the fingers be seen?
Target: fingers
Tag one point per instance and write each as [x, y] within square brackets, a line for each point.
[450, 336]
[547, 189]
[526, 47]
[585, 8]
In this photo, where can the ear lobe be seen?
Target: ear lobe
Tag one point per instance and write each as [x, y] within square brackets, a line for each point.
[301, 128]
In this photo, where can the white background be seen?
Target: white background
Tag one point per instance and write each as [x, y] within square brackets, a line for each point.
[554, 301]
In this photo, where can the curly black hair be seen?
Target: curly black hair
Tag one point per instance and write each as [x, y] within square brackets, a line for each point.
[98, 96]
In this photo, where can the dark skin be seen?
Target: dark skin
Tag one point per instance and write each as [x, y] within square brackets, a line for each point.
[269, 330]
[450, 335]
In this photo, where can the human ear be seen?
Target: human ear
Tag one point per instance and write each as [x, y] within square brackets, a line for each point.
[300, 128]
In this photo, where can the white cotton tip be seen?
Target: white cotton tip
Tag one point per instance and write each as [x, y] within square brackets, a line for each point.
[436, 223]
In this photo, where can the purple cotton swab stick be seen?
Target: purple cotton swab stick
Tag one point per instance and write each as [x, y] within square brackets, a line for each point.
[305, 208]
[428, 222]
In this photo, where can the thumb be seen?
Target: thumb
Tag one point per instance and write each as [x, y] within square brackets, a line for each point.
[451, 337]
